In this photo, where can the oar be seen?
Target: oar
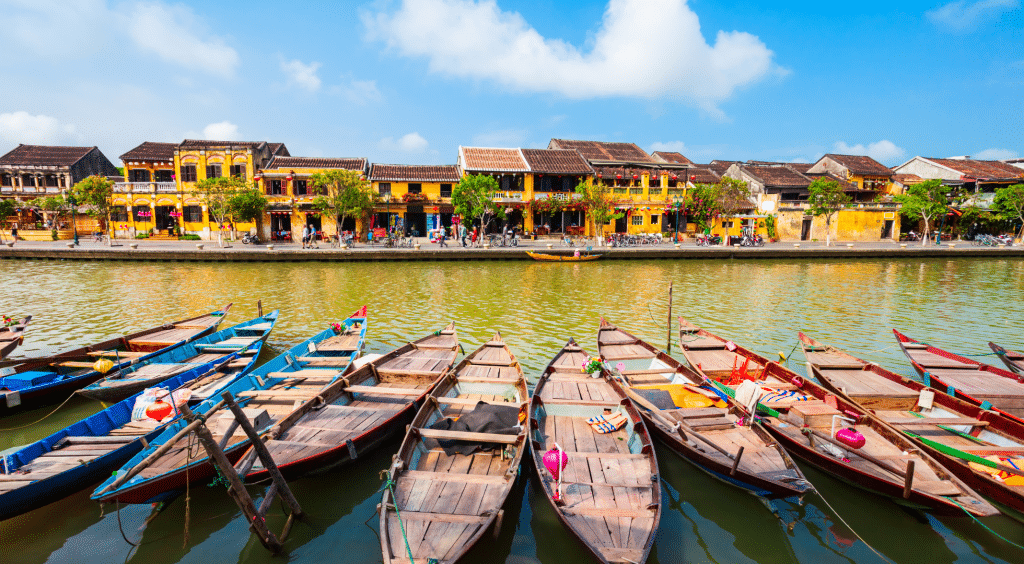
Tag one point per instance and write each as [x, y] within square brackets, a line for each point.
[655, 412]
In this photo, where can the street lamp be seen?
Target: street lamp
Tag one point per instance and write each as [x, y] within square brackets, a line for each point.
[74, 222]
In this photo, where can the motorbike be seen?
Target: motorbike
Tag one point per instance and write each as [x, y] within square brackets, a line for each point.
[249, 239]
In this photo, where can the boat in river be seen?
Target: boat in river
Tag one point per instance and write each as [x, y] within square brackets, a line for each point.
[359, 411]
[828, 431]
[983, 448]
[546, 257]
[87, 451]
[966, 378]
[608, 492]
[458, 461]
[174, 460]
[32, 383]
[1012, 359]
[11, 336]
[695, 420]
[165, 364]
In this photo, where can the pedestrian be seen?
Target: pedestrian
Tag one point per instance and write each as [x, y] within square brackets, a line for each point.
[312, 237]
[463, 233]
[472, 239]
[442, 237]
[305, 236]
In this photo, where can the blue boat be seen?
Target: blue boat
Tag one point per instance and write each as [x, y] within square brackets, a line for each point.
[157, 368]
[267, 394]
[32, 383]
[88, 451]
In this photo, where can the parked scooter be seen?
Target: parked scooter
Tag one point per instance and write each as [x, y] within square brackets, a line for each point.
[250, 239]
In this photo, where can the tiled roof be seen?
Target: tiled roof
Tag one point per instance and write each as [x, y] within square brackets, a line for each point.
[150, 151]
[861, 165]
[778, 176]
[846, 185]
[278, 149]
[981, 169]
[497, 160]
[704, 175]
[667, 157]
[201, 143]
[602, 151]
[555, 161]
[315, 162]
[907, 178]
[414, 173]
[616, 171]
[44, 155]
[720, 166]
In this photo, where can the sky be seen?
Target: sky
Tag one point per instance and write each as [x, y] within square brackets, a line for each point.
[409, 81]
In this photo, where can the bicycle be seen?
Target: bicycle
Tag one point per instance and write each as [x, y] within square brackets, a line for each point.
[99, 237]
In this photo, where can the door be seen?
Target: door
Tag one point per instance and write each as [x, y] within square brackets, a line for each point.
[805, 230]
[887, 229]
[620, 224]
[162, 218]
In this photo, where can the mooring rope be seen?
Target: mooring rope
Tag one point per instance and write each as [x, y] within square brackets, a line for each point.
[847, 525]
[44, 417]
[390, 484]
[121, 528]
[984, 526]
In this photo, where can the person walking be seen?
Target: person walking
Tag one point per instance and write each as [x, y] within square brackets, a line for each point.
[312, 237]
[463, 233]
[305, 236]
[442, 238]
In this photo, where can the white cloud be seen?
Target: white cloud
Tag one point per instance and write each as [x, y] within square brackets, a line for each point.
[359, 92]
[23, 127]
[501, 138]
[408, 143]
[222, 131]
[964, 16]
[995, 154]
[644, 49]
[883, 151]
[669, 147]
[169, 32]
[302, 75]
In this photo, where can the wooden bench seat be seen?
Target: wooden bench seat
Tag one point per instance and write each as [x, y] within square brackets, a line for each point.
[465, 436]
[453, 477]
[385, 391]
[936, 421]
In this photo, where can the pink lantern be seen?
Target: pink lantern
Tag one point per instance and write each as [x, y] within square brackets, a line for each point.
[551, 462]
[849, 437]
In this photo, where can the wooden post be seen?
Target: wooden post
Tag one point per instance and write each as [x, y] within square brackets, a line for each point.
[668, 347]
[236, 489]
[259, 308]
[736, 462]
[908, 484]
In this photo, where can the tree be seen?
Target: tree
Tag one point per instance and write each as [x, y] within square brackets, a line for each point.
[6, 211]
[733, 195]
[703, 204]
[53, 208]
[826, 197]
[343, 194]
[216, 193]
[248, 205]
[474, 197]
[599, 206]
[1009, 204]
[926, 201]
[95, 192]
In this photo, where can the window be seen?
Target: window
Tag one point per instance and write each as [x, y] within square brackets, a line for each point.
[193, 214]
[654, 219]
[567, 185]
[727, 224]
[301, 188]
[446, 190]
[7, 180]
[138, 175]
[213, 171]
[384, 188]
[118, 213]
[638, 220]
[188, 173]
[415, 188]
[238, 170]
[275, 188]
[163, 175]
[136, 210]
[51, 180]
[545, 184]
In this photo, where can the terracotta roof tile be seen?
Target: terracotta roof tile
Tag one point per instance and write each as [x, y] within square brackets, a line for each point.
[316, 162]
[669, 157]
[720, 166]
[704, 175]
[778, 176]
[907, 178]
[861, 165]
[278, 149]
[555, 161]
[846, 185]
[150, 151]
[610, 172]
[603, 151]
[497, 160]
[981, 169]
[414, 173]
[44, 155]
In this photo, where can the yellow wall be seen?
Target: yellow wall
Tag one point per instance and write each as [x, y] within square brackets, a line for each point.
[851, 224]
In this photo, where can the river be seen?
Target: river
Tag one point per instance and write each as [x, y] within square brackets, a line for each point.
[853, 304]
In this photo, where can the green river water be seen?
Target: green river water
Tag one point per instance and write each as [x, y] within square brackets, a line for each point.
[852, 304]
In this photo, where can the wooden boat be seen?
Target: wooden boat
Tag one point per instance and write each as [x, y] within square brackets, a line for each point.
[806, 418]
[959, 434]
[163, 365]
[12, 336]
[268, 393]
[448, 501]
[545, 257]
[1013, 360]
[358, 412]
[966, 378]
[86, 452]
[707, 432]
[40, 381]
[610, 493]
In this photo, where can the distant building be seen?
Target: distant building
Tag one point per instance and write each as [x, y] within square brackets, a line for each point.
[415, 197]
[285, 180]
[670, 157]
[867, 173]
[968, 174]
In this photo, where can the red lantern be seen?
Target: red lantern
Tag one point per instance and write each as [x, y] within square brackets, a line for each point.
[257, 178]
[674, 177]
[635, 177]
[692, 178]
[158, 410]
[619, 176]
[288, 178]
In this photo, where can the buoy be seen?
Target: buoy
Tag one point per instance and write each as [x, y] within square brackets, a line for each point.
[551, 462]
[103, 365]
[850, 437]
[158, 410]
[782, 356]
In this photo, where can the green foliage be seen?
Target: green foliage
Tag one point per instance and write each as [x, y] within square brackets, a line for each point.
[343, 194]
[189, 237]
[120, 170]
[826, 197]
[598, 204]
[926, 201]
[248, 205]
[142, 235]
[474, 197]
[703, 204]
[733, 195]
[94, 192]
[769, 223]
[6, 210]
[1009, 204]
[217, 193]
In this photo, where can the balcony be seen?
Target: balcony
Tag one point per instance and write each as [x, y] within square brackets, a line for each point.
[145, 187]
[637, 191]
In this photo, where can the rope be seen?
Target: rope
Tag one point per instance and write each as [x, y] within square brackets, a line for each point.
[121, 528]
[44, 417]
[390, 485]
[984, 526]
[188, 490]
[847, 525]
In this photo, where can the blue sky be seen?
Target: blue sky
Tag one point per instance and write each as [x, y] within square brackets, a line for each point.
[409, 81]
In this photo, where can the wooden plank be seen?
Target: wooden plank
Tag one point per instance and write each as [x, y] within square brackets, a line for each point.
[451, 477]
[279, 394]
[608, 511]
[936, 421]
[385, 391]
[580, 402]
[467, 401]
[443, 517]
[466, 436]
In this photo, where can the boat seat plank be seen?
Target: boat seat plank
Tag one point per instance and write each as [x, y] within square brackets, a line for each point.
[385, 391]
[122, 354]
[466, 436]
[345, 342]
[992, 449]
[910, 421]
[451, 477]
[932, 360]
[608, 512]
[832, 360]
[937, 487]
[597, 403]
[442, 518]
[73, 364]
[279, 394]
[665, 370]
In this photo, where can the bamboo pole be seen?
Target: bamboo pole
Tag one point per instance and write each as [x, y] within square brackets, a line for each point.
[883, 465]
[654, 411]
[668, 347]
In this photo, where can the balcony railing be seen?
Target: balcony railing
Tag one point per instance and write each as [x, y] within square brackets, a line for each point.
[636, 191]
[160, 187]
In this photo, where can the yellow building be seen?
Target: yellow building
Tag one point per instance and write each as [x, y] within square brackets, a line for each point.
[285, 180]
[867, 173]
[416, 199]
[148, 199]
